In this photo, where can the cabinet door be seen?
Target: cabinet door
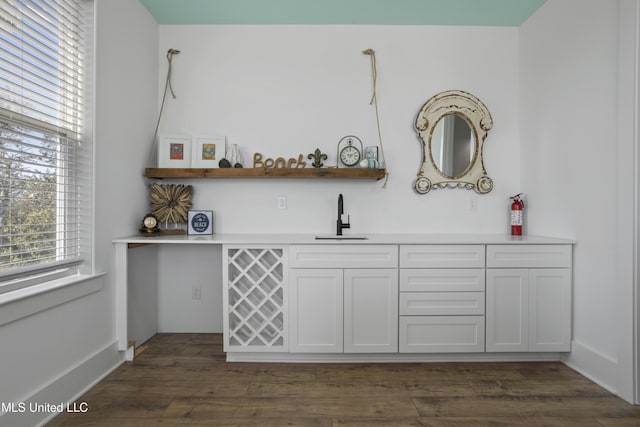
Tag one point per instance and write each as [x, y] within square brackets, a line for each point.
[507, 310]
[549, 309]
[370, 311]
[315, 311]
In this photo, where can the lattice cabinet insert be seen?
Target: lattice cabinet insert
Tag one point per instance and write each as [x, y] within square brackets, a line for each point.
[255, 298]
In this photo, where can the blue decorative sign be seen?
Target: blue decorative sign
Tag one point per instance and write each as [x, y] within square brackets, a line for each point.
[200, 222]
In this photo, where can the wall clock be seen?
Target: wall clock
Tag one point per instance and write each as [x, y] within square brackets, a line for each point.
[349, 152]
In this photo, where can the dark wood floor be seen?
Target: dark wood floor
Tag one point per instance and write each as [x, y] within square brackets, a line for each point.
[183, 380]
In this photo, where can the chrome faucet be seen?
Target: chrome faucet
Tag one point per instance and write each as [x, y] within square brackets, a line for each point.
[341, 225]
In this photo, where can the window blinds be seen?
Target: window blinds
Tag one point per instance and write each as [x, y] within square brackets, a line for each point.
[41, 127]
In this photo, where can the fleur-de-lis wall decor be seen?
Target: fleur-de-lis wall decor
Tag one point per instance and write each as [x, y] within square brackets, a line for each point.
[317, 157]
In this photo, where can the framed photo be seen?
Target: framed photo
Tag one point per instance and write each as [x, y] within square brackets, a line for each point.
[200, 222]
[371, 152]
[174, 151]
[207, 151]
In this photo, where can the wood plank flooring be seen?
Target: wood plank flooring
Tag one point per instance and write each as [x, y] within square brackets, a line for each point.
[183, 380]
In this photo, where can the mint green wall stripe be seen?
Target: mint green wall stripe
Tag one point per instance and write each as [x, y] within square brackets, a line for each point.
[343, 12]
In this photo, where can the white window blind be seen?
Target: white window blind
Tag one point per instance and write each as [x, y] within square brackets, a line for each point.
[42, 118]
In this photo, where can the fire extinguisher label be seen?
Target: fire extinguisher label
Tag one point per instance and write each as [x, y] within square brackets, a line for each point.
[516, 217]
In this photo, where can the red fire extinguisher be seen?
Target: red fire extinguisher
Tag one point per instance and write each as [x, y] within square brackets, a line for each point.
[517, 207]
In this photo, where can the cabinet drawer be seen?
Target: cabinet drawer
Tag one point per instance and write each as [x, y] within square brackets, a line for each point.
[441, 334]
[343, 256]
[441, 303]
[442, 256]
[529, 256]
[442, 280]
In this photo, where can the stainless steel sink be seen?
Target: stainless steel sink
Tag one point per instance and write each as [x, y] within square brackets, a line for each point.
[344, 237]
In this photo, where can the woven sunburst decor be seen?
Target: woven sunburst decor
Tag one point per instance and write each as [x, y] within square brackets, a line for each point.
[171, 202]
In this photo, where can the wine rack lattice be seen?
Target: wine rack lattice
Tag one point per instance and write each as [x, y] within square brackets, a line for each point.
[256, 297]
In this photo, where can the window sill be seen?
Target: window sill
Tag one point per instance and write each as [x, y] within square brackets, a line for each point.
[28, 301]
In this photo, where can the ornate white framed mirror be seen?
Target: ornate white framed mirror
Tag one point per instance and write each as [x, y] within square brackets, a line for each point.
[452, 127]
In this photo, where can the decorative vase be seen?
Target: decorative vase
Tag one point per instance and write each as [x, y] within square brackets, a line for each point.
[234, 156]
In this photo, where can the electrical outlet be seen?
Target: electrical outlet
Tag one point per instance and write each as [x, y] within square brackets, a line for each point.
[196, 292]
[282, 202]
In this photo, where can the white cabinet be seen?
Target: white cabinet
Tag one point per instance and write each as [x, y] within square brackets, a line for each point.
[550, 309]
[343, 256]
[528, 298]
[442, 298]
[315, 310]
[343, 298]
[254, 298]
[411, 298]
[371, 310]
[507, 310]
[442, 303]
[442, 256]
[441, 334]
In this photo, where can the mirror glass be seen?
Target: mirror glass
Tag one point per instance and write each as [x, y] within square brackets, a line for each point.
[453, 145]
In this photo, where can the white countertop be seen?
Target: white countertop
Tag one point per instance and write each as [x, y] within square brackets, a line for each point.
[372, 239]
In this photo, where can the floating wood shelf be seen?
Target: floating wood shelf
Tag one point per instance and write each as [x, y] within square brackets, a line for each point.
[355, 173]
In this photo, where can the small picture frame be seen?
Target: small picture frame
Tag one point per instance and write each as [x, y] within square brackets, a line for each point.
[200, 222]
[371, 152]
[174, 151]
[207, 151]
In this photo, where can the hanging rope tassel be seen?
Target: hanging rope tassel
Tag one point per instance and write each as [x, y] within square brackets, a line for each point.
[374, 101]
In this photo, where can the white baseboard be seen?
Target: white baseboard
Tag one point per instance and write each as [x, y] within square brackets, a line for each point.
[599, 368]
[41, 406]
[389, 357]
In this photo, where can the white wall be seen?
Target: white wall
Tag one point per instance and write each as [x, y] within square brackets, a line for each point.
[56, 353]
[285, 90]
[572, 170]
[126, 114]
[183, 268]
